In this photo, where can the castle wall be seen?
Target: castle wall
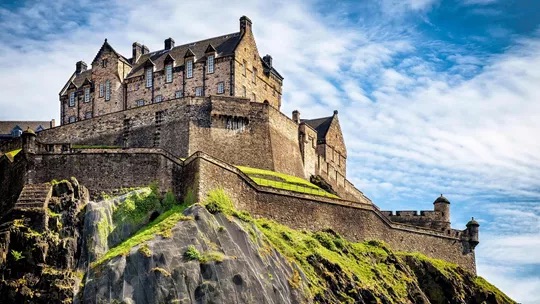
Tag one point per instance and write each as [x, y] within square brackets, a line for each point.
[103, 170]
[354, 221]
[308, 144]
[247, 144]
[426, 218]
[12, 179]
[285, 146]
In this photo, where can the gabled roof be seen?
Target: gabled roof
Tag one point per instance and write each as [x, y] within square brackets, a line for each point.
[321, 125]
[78, 80]
[210, 49]
[106, 46]
[7, 126]
[224, 45]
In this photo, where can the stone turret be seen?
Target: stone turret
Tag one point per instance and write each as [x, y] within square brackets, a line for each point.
[472, 232]
[29, 141]
[442, 205]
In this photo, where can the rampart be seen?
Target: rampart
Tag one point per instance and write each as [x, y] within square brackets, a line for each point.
[110, 169]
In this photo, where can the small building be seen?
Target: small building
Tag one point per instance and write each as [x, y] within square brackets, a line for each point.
[14, 129]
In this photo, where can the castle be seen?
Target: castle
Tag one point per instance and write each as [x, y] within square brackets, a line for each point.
[192, 118]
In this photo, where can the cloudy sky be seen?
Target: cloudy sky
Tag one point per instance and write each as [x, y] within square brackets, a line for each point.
[434, 96]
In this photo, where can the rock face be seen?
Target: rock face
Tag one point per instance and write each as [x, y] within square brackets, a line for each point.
[42, 244]
[141, 248]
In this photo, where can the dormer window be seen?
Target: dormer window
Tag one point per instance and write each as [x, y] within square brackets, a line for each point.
[210, 64]
[72, 99]
[148, 75]
[168, 72]
[189, 69]
[107, 90]
[87, 95]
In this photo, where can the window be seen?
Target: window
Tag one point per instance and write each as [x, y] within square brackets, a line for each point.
[72, 99]
[88, 115]
[72, 119]
[244, 67]
[168, 72]
[159, 117]
[254, 75]
[245, 91]
[107, 90]
[189, 69]
[198, 91]
[158, 98]
[148, 75]
[210, 64]
[140, 102]
[101, 90]
[178, 94]
[220, 88]
[236, 123]
[254, 96]
[87, 95]
[104, 63]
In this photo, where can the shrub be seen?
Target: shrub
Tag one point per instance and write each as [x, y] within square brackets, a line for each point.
[17, 255]
[192, 253]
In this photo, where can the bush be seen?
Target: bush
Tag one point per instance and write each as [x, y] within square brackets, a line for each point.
[169, 200]
[218, 201]
[192, 253]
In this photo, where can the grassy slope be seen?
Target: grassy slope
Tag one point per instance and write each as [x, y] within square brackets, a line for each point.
[334, 269]
[283, 181]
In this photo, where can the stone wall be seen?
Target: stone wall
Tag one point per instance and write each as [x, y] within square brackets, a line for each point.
[355, 221]
[285, 146]
[12, 180]
[107, 170]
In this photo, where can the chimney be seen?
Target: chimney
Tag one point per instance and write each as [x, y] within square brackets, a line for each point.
[80, 66]
[268, 60]
[53, 122]
[169, 43]
[145, 49]
[245, 24]
[137, 51]
[296, 116]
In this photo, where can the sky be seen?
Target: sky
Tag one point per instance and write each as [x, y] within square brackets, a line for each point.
[434, 96]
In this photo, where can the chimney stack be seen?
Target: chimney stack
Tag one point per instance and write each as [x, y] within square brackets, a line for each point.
[268, 59]
[245, 25]
[169, 43]
[296, 116]
[137, 51]
[80, 67]
[145, 49]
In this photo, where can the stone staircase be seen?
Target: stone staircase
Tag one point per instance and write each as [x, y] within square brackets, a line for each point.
[34, 196]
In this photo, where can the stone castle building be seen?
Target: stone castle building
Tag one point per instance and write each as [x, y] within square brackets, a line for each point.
[189, 117]
[228, 65]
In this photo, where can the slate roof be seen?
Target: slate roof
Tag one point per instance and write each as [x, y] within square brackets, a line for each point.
[321, 125]
[7, 126]
[224, 45]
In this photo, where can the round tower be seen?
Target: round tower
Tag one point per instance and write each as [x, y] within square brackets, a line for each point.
[28, 141]
[472, 229]
[442, 205]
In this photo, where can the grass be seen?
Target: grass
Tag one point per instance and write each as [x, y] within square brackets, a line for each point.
[365, 263]
[11, 154]
[267, 178]
[161, 225]
[17, 255]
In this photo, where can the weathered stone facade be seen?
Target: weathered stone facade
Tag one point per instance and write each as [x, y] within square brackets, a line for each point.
[228, 65]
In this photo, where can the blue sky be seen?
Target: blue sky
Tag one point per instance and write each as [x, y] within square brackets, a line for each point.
[434, 96]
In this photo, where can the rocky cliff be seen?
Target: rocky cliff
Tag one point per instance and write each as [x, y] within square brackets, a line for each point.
[140, 247]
